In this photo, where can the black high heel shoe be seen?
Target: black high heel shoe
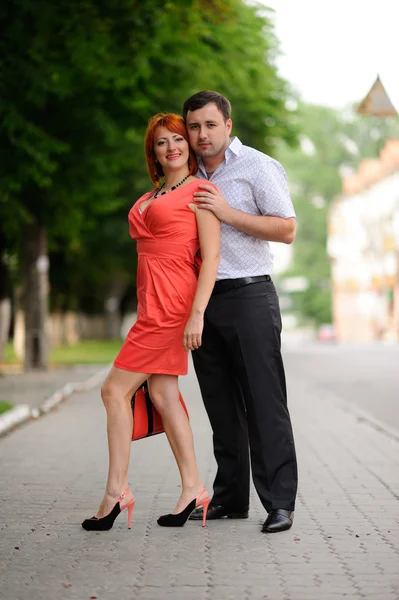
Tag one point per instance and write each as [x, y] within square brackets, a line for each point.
[105, 523]
[180, 518]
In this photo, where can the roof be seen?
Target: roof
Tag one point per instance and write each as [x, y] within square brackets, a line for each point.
[373, 170]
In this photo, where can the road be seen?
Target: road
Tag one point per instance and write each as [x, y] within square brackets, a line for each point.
[344, 542]
[366, 376]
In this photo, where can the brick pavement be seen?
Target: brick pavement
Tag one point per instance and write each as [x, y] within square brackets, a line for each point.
[344, 542]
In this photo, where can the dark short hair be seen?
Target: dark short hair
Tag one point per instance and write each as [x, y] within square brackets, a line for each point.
[201, 99]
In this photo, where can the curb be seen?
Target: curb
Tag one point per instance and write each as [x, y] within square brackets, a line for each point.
[23, 412]
[15, 416]
[364, 416]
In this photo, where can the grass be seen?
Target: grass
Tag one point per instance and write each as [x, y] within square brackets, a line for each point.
[9, 355]
[4, 406]
[84, 352]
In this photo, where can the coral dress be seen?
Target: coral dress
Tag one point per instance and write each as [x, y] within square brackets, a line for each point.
[167, 243]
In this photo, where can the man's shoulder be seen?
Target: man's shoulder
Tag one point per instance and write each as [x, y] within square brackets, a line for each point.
[256, 156]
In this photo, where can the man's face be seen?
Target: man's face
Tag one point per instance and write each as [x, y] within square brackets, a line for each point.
[208, 132]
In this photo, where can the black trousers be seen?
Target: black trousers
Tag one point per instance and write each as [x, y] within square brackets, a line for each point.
[241, 375]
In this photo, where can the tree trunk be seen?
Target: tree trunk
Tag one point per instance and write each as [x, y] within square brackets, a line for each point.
[5, 321]
[5, 299]
[116, 290]
[35, 297]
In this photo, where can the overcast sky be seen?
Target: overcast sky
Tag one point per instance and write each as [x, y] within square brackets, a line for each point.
[334, 49]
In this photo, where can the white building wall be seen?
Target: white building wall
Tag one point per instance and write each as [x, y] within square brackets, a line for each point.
[364, 249]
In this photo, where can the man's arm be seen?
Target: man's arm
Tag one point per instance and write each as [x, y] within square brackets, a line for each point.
[272, 229]
[276, 223]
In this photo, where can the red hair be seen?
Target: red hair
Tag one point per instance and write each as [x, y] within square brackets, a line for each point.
[176, 124]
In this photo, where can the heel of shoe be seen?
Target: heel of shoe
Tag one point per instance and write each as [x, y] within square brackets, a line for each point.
[107, 522]
[130, 507]
[205, 505]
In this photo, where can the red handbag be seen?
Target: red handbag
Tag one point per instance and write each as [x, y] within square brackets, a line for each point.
[146, 419]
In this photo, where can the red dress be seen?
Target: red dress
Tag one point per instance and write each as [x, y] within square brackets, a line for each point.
[167, 242]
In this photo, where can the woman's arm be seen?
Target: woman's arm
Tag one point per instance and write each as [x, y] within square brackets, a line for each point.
[209, 237]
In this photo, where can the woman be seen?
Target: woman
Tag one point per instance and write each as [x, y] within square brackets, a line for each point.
[172, 298]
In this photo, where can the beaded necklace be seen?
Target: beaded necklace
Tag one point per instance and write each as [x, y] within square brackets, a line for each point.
[159, 193]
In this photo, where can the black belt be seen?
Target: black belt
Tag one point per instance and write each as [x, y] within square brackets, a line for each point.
[224, 285]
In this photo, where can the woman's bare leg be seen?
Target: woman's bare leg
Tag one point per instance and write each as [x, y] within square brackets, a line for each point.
[164, 394]
[116, 393]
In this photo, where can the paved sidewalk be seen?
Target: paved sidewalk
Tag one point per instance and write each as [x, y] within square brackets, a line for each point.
[344, 542]
[34, 388]
[36, 393]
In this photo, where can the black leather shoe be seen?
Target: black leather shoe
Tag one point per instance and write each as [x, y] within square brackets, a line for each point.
[278, 520]
[216, 511]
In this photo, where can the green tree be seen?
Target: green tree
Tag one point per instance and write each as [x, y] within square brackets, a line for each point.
[65, 106]
[79, 81]
[185, 61]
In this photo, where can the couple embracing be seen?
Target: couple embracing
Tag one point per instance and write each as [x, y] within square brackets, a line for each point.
[223, 201]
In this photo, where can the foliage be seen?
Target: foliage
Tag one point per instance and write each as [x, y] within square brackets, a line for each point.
[80, 80]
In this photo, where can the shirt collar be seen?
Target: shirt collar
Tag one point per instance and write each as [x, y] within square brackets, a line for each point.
[233, 149]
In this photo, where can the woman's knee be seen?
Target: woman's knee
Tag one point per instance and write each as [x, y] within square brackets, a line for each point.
[158, 398]
[110, 394]
[163, 394]
[119, 387]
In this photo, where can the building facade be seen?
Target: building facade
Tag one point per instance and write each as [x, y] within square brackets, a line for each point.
[363, 245]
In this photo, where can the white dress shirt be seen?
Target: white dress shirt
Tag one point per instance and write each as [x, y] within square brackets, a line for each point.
[254, 183]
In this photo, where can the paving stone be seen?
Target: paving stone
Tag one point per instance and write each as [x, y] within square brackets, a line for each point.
[52, 477]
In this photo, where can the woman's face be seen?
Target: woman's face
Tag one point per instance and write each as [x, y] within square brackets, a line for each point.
[171, 149]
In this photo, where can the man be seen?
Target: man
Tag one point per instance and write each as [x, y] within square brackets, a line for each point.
[239, 364]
